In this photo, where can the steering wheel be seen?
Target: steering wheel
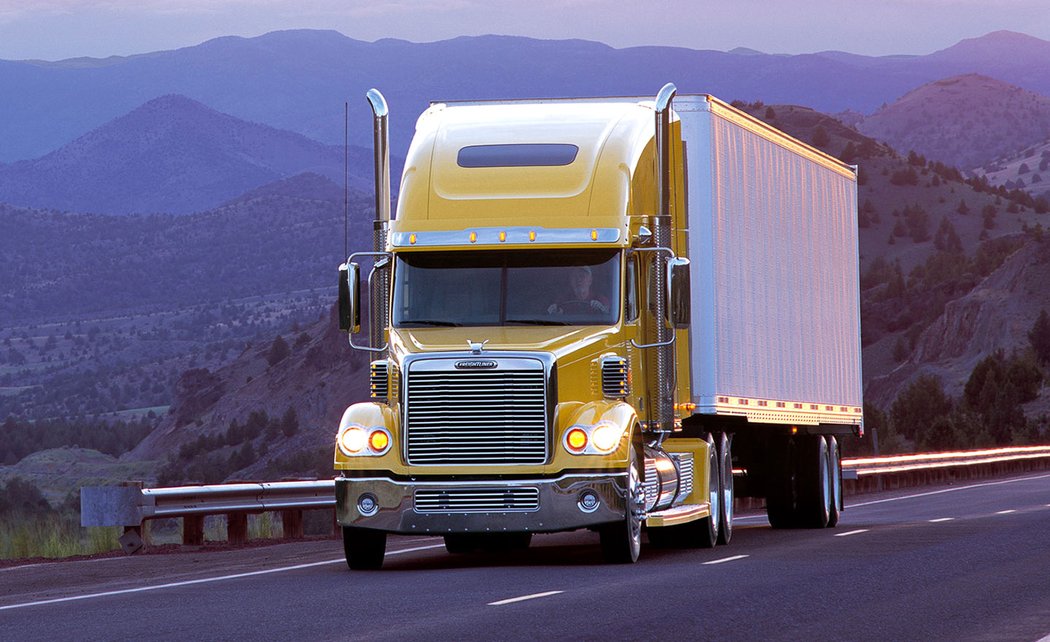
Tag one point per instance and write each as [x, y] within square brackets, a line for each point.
[576, 306]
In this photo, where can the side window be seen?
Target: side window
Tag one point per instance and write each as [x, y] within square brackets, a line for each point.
[630, 298]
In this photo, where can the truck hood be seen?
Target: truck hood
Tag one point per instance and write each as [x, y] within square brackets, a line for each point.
[558, 340]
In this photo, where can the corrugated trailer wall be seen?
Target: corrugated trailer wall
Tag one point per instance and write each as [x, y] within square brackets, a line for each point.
[773, 249]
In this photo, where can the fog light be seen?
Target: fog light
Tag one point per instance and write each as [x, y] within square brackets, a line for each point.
[589, 501]
[367, 505]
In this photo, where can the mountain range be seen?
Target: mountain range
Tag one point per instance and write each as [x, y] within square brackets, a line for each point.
[299, 80]
[174, 155]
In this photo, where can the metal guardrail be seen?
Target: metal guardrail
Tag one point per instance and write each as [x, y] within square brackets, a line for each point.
[131, 505]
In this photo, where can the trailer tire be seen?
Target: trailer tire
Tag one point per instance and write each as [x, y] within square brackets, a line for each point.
[813, 476]
[835, 473]
[364, 548]
[725, 467]
[622, 541]
[780, 487]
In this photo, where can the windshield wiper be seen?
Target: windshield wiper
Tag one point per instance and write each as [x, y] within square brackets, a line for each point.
[444, 324]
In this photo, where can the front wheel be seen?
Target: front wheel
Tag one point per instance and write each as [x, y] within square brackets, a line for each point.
[622, 541]
[364, 548]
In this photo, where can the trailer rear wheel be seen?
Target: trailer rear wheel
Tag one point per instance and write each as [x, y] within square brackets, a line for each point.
[725, 467]
[813, 477]
[364, 548]
[622, 541]
[835, 472]
[780, 489]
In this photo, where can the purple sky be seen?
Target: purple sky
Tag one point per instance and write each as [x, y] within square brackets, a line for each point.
[56, 29]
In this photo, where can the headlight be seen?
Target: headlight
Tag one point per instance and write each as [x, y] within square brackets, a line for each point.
[601, 438]
[355, 440]
[606, 437]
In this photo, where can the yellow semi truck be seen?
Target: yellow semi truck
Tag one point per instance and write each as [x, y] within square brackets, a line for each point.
[614, 314]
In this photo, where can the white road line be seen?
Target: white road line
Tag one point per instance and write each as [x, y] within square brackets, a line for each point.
[524, 597]
[947, 490]
[848, 533]
[203, 580]
[941, 519]
[1006, 512]
[726, 559]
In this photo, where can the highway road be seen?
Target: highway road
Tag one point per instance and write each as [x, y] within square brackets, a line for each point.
[964, 562]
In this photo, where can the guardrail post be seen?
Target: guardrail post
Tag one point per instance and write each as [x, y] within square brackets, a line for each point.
[292, 523]
[237, 528]
[193, 530]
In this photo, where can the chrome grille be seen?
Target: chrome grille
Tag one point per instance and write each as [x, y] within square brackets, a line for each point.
[477, 500]
[476, 416]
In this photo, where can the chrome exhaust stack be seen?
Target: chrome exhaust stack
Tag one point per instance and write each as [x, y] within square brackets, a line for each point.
[379, 279]
[663, 381]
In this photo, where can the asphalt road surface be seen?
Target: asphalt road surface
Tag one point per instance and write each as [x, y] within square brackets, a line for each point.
[964, 562]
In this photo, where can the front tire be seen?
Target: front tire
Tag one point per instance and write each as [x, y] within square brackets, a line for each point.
[622, 541]
[364, 548]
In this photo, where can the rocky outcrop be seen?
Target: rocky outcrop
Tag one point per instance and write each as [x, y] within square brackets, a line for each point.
[995, 315]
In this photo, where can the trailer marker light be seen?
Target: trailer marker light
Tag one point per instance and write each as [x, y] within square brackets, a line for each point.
[794, 430]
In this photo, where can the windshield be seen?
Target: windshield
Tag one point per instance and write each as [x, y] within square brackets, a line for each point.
[581, 287]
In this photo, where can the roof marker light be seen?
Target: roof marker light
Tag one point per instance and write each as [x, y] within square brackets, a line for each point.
[502, 236]
[473, 237]
[412, 239]
[532, 235]
[594, 235]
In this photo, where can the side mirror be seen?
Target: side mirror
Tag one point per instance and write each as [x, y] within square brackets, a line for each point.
[678, 293]
[349, 298]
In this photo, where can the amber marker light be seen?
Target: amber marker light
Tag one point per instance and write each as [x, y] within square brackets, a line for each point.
[532, 235]
[412, 239]
[502, 237]
[378, 440]
[576, 440]
[594, 235]
[473, 237]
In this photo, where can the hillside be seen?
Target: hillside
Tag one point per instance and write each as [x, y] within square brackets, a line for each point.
[303, 395]
[152, 296]
[964, 121]
[299, 80]
[171, 155]
[1028, 169]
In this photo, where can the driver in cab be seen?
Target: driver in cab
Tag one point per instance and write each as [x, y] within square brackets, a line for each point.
[580, 298]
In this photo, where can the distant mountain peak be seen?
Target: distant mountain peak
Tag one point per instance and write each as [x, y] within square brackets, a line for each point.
[999, 46]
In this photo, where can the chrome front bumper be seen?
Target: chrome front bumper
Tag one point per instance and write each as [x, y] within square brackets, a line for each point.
[391, 505]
